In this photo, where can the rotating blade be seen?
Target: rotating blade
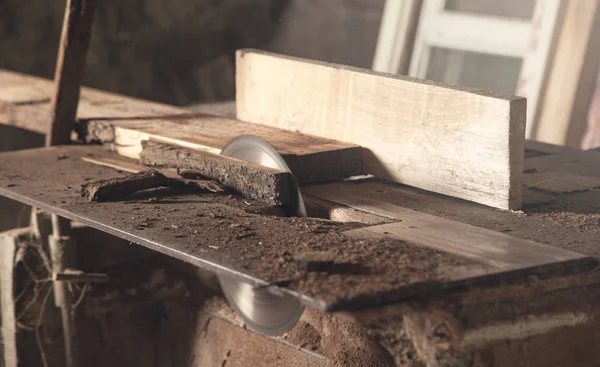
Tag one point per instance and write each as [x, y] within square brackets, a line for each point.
[263, 311]
[253, 149]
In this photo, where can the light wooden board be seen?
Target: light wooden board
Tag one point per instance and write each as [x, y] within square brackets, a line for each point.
[499, 250]
[461, 142]
[126, 122]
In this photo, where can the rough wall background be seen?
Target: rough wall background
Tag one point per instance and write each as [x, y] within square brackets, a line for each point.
[181, 51]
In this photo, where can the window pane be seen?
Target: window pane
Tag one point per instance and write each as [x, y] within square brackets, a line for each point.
[491, 72]
[522, 9]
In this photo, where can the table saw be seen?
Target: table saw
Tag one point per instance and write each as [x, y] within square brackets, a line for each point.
[411, 227]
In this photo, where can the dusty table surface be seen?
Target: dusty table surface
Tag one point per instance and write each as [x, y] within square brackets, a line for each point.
[231, 235]
[228, 233]
[561, 200]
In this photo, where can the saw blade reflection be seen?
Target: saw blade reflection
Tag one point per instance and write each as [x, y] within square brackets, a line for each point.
[263, 311]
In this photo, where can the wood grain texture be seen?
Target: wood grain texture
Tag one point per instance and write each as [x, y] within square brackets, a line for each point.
[496, 249]
[501, 251]
[74, 43]
[126, 122]
[457, 141]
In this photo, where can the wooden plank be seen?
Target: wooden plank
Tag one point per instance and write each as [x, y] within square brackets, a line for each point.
[170, 178]
[496, 249]
[126, 122]
[566, 221]
[74, 43]
[572, 77]
[266, 184]
[457, 141]
[501, 251]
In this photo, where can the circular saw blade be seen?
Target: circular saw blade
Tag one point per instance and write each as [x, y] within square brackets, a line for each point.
[253, 149]
[263, 311]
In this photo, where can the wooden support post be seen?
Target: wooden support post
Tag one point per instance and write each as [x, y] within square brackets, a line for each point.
[62, 252]
[8, 247]
[74, 43]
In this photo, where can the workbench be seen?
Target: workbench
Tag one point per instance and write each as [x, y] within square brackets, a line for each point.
[465, 283]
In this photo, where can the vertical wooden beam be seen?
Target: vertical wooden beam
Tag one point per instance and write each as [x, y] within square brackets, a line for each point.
[74, 43]
[63, 256]
[571, 81]
[9, 242]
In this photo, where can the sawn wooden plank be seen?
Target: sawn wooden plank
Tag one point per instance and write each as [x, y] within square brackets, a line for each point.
[457, 141]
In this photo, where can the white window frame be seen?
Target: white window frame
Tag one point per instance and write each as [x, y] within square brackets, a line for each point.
[532, 41]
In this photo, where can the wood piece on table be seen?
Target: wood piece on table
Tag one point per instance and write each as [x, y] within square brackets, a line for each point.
[496, 249]
[117, 188]
[125, 122]
[266, 184]
[452, 140]
[174, 180]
